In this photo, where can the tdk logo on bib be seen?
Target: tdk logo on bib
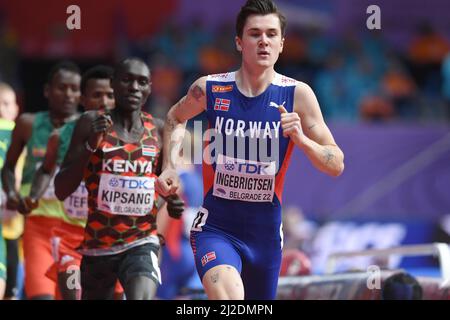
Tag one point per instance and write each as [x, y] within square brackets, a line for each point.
[130, 183]
[249, 168]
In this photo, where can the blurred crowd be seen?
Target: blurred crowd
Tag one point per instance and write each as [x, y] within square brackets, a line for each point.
[356, 76]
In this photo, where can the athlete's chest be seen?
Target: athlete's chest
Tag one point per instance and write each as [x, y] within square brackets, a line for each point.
[258, 117]
[136, 158]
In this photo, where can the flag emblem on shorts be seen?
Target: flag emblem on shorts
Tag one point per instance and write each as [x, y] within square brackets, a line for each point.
[210, 256]
[222, 104]
[149, 151]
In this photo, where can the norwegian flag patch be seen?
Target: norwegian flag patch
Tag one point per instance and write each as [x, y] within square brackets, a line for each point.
[210, 256]
[222, 104]
[149, 151]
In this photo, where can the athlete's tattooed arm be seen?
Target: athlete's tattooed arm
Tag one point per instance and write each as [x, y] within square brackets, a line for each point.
[215, 277]
[188, 107]
[197, 92]
[316, 139]
[329, 156]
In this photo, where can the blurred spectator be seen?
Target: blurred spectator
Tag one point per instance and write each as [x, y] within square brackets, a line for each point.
[375, 49]
[294, 48]
[297, 231]
[376, 108]
[170, 42]
[295, 263]
[329, 86]
[220, 54]
[426, 54]
[214, 59]
[360, 82]
[428, 47]
[167, 81]
[400, 88]
[319, 46]
[9, 56]
[181, 45]
[401, 286]
[9, 109]
[295, 59]
[345, 68]
[12, 221]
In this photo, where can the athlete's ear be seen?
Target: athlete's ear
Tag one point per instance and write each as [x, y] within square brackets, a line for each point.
[149, 92]
[238, 42]
[282, 45]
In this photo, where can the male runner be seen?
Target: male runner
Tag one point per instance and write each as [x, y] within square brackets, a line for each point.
[32, 131]
[257, 116]
[116, 154]
[96, 94]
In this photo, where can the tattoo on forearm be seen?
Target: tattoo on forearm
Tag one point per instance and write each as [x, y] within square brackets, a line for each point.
[329, 156]
[197, 92]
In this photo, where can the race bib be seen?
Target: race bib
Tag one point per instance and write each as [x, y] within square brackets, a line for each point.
[244, 180]
[132, 196]
[76, 205]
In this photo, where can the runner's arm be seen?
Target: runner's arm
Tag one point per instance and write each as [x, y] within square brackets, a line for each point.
[192, 104]
[44, 173]
[77, 158]
[308, 130]
[20, 136]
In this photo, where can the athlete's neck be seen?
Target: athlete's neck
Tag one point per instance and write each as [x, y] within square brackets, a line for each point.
[59, 120]
[128, 121]
[252, 83]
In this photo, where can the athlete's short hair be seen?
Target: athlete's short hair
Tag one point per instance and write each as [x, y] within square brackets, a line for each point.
[259, 7]
[124, 62]
[401, 286]
[62, 65]
[6, 87]
[97, 72]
